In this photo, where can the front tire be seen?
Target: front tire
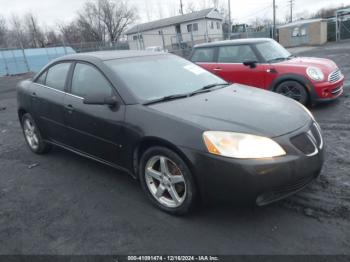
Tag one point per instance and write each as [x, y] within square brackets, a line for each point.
[294, 90]
[167, 181]
[32, 135]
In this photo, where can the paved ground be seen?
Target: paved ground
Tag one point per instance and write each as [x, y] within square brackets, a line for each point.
[61, 203]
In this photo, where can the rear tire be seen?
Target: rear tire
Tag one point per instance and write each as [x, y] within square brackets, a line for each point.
[32, 135]
[167, 181]
[293, 90]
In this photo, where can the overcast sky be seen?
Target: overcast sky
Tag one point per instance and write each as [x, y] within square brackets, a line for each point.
[52, 12]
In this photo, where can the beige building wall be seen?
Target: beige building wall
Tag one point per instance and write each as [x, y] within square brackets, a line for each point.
[316, 34]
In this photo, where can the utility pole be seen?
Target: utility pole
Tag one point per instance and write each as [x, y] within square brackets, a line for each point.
[274, 20]
[291, 2]
[229, 18]
[181, 7]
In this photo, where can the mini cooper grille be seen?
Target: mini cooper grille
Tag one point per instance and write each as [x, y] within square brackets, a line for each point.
[310, 142]
[335, 76]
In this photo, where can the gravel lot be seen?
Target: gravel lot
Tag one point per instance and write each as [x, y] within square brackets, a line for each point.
[61, 203]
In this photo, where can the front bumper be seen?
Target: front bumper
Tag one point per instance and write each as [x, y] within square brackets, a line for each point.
[326, 91]
[261, 181]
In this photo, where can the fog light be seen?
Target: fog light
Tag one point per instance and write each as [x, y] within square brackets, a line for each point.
[325, 92]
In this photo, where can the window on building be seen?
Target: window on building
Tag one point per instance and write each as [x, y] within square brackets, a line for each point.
[295, 32]
[212, 24]
[189, 28]
[192, 27]
[218, 25]
[134, 37]
[303, 31]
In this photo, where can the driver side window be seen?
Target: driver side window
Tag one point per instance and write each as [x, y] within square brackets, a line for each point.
[236, 54]
[88, 80]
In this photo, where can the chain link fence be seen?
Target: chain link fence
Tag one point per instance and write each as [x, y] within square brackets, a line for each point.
[16, 60]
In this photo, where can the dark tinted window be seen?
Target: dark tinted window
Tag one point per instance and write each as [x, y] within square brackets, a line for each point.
[88, 80]
[41, 79]
[236, 54]
[56, 76]
[203, 55]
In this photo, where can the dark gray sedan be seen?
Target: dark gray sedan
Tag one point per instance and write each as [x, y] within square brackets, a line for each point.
[183, 132]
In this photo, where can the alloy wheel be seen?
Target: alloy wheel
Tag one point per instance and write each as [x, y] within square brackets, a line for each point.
[31, 134]
[165, 181]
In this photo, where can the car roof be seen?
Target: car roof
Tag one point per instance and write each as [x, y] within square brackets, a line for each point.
[234, 42]
[109, 55]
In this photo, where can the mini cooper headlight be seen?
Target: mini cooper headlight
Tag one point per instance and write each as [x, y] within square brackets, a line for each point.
[238, 145]
[315, 73]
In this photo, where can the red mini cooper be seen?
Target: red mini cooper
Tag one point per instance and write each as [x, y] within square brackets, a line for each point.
[264, 63]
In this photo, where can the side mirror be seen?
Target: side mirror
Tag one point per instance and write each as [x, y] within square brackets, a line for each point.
[98, 99]
[251, 64]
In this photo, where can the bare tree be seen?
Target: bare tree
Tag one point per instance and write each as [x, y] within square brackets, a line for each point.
[116, 16]
[71, 33]
[17, 32]
[89, 22]
[34, 33]
[3, 31]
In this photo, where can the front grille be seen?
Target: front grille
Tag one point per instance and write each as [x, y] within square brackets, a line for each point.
[310, 142]
[337, 90]
[303, 143]
[335, 76]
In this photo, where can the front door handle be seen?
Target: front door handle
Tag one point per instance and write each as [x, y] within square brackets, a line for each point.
[218, 69]
[69, 109]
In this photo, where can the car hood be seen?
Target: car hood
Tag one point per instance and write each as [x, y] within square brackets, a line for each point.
[238, 108]
[325, 64]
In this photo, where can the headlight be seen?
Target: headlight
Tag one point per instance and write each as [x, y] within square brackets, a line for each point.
[237, 145]
[315, 73]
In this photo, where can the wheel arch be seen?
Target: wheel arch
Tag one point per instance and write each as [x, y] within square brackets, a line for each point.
[21, 112]
[149, 142]
[298, 78]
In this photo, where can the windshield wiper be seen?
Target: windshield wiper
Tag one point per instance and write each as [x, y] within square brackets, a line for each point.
[207, 88]
[166, 98]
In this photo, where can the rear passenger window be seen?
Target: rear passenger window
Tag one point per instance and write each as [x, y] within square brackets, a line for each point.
[236, 54]
[57, 75]
[41, 79]
[88, 80]
[203, 55]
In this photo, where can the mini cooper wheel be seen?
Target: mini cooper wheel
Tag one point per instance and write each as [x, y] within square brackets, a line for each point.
[33, 136]
[294, 90]
[167, 180]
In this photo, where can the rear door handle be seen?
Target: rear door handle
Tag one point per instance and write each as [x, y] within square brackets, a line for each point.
[69, 109]
[218, 69]
[33, 96]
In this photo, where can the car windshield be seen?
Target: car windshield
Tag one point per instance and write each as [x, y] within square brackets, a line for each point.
[155, 77]
[272, 51]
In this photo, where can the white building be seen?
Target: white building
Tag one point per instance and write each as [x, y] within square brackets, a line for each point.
[173, 32]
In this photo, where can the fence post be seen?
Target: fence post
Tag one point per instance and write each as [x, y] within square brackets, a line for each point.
[163, 40]
[25, 59]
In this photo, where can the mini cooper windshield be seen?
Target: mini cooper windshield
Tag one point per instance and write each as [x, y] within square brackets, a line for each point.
[273, 52]
[164, 77]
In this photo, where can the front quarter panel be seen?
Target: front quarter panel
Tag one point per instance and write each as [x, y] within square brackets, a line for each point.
[24, 90]
[144, 123]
